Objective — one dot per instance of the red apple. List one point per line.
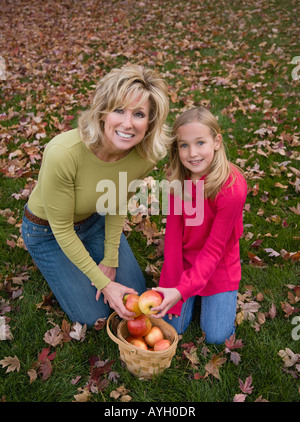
(139, 326)
(153, 336)
(140, 344)
(131, 302)
(131, 338)
(162, 345)
(149, 300)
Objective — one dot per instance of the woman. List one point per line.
(78, 250)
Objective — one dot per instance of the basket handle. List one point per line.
(109, 332)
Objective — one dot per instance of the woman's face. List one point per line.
(126, 127)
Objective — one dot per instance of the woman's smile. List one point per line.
(124, 135)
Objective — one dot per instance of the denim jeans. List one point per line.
(217, 316)
(73, 289)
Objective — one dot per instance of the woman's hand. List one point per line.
(113, 295)
(110, 272)
(171, 297)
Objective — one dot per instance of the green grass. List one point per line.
(236, 59)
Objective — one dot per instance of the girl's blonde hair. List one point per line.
(116, 90)
(220, 168)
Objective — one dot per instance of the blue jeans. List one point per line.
(73, 289)
(217, 316)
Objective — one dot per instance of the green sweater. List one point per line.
(73, 184)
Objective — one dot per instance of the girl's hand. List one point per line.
(170, 316)
(171, 297)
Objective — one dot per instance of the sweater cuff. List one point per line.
(99, 279)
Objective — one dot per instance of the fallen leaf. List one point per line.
(213, 366)
(272, 312)
(54, 336)
(271, 252)
(100, 323)
(32, 375)
(295, 210)
(287, 308)
(78, 331)
(261, 400)
(66, 327)
(45, 369)
(192, 356)
(75, 380)
(231, 343)
(83, 395)
(5, 333)
(261, 318)
(45, 355)
(289, 358)
(250, 308)
(246, 387)
(12, 363)
(239, 398)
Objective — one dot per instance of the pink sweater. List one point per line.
(205, 260)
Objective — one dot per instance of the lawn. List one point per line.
(239, 59)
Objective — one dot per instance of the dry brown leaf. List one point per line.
(12, 363)
(83, 395)
(295, 210)
(32, 375)
(192, 356)
(261, 319)
(54, 336)
(125, 398)
(78, 331)
(289, 358)
(213, 366)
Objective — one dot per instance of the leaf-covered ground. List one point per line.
(239, 59)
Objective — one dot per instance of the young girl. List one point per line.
(204, 259)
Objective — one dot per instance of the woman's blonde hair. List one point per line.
(220, 168)
(116, 90)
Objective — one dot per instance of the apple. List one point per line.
(153, 336)
(139, 343)
(131, 338)
(162, 345)
(131, 302)
(149, 300)
(139, 326)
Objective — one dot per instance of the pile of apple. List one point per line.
(141, 332)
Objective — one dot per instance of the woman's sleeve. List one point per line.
(58, 196)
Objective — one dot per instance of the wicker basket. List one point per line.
(143, 363)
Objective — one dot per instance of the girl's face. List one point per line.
(125, 127)
(197, 148)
